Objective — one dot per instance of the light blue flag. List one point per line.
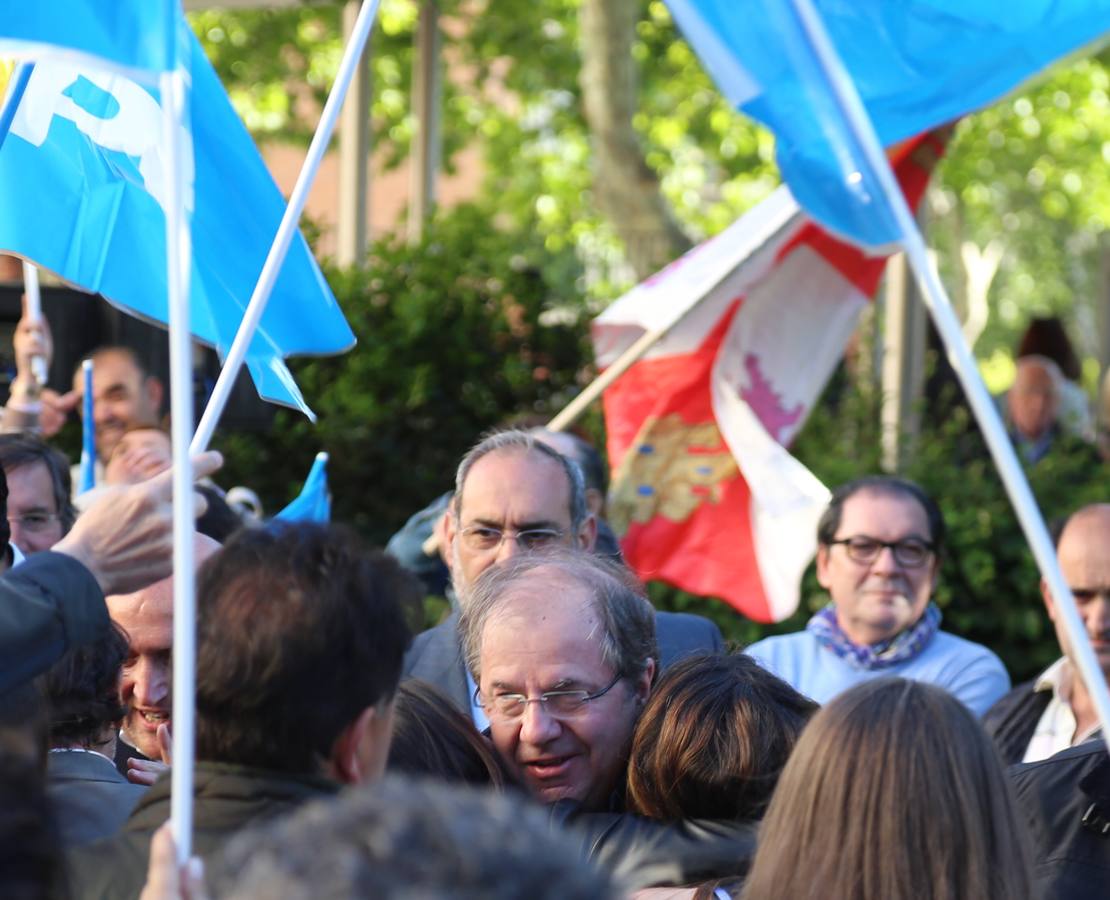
(313, 504)
(134, 35)
(917, 64)
(84, 152)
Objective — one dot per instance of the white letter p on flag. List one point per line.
(130, 123)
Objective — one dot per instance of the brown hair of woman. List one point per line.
(713, 739)
(894, 792)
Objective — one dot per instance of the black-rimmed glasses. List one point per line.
(909, 552)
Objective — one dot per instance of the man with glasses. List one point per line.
(878, 556)
(514, 495)
(40, 512)
(562, 683)
(1054, 711)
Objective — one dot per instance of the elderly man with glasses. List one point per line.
(562, 683)
(878, 556)
(515, 495)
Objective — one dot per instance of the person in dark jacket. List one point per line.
(1054, 711)
(300, 637)
(1065, 801)
(89, 798)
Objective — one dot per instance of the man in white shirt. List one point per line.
(1040, 718)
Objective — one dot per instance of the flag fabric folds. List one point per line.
(705, 496)
(137, 36)
(85, 153)
(917, 64)
(313, 504)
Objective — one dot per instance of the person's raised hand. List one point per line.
(32, 338)
(165, 879)
(55, 410)
(125, 538)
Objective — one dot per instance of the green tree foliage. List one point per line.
(453, 339)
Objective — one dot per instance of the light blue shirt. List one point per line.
(969, 671)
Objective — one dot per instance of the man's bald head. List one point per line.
(1084, 553)
(147, 617)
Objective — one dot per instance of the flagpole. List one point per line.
(940, 307)
(34, 313)
(178, 255)
(352, 57)
(16, 89)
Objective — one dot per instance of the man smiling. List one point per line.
(562, 683)
(147, 617)
(878, 556)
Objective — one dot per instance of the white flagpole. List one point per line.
(178, 256)
(352, 57)
(940, 307)
(34, 313)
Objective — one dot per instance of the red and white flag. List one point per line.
(705, 495)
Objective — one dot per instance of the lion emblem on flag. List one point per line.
(671, 469)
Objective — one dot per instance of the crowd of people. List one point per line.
(553, 736)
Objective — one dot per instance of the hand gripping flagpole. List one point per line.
(178, 254)
(34, 313)
(939, 306)
(352, 56)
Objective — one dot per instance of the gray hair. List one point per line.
(405, 839)
(627, 618)
(524, 442)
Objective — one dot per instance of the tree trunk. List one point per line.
(626, 190)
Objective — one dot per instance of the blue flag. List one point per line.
(313, 504)
(84, 152)
(916, 64)
(135, 35)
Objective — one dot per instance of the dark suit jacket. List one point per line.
(436, 656)
(89, 799)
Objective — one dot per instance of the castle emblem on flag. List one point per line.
(672, 468)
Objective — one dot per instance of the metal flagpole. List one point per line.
(1005, 458)
(348, 67)
(34, 313)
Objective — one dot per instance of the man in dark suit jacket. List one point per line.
(514, 493)
(89, 799)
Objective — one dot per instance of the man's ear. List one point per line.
(360, 752)
(587, 534)
(446, 531)
(1049, 602)
(823, 565)
(154, 392)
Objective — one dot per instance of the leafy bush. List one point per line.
(450, 344)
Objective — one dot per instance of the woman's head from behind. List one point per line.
(894, 791)
(713, 739)
(432, 738)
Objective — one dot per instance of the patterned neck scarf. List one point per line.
(902, 647)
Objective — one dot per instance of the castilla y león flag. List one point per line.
(705, 495)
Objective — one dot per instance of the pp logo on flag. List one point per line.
(113, 112)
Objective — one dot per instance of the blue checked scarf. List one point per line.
(902, 647)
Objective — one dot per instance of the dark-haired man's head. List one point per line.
(562, 647)
(124, 394)
(40, 512)
(879, 544)
(513, 494)
(300, 637)
(82, 693)
(409, 838)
